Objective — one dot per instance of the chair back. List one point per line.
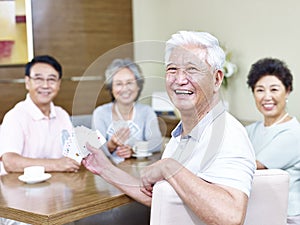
(268, 201)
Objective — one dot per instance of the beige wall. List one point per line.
(249, 29)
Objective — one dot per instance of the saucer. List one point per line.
(33, 180)
(142, 155)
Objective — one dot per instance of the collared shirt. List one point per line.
(217, 150)
(27, 131)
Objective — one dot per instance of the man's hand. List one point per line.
(160, 170)
(97, 161)
(66, 164)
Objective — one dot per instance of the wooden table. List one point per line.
(65, 197)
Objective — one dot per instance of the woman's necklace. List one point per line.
(119, 113)
(281, 119)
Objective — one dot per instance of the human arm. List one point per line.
(118, 139)
(280, 152)
(117, 143)
(25, 143)
(99, 164)
(102, 121)
(214, 204)
(13, 162)
(275, 147)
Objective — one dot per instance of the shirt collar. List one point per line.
(35, 112)
(199, 128)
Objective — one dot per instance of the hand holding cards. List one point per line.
(75, 144)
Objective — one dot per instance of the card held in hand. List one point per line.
(71, 148)
(75, 144)
(85, 135)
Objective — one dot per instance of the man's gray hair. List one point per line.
(215, 55)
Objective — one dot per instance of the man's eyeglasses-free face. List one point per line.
(41, 80)
(189, 69)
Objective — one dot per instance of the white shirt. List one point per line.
(217, 150)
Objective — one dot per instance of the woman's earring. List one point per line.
(286, 100)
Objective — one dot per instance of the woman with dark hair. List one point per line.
(125, 121)
(276, 139)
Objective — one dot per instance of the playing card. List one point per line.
(85, 135)
(75, 144)
(71, 149)
(134, 129)
(117, 125)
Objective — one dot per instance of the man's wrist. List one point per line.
(170, 168)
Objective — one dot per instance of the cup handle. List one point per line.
(134, 149)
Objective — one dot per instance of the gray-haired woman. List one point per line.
(125, 121)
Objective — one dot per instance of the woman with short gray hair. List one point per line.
(124, 121)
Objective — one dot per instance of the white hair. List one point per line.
(215, 55)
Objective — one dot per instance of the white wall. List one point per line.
(249, 29)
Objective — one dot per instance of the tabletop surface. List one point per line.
(65, 197)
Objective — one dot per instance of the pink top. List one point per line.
(28, 132)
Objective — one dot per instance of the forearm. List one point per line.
(127, 183)
(213, 204)
(14, 162)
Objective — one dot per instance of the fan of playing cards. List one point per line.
(74, 144)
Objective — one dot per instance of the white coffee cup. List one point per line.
(141, 148)
(34, 171)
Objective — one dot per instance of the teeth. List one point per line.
(268, 105)
(183, 92)
(45, 93)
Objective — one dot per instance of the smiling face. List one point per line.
(43, 84)
(190, 81)
(270, 97)
(124, 87)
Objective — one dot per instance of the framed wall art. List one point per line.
(16, 39)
